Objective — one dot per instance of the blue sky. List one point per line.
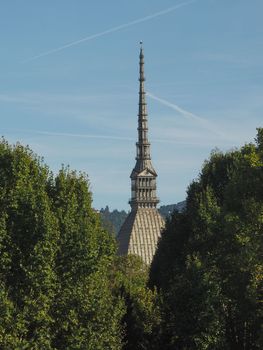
(77, 104)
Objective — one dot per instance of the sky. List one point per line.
(69, 85)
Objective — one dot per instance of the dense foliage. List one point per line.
(141, 320)
(62, 287)
(54, 260)
(208, 266)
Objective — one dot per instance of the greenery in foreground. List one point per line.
(208, 266)
(61, 284)
(63, 287)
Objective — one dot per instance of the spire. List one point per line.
(142, 228)
(143, 175)
(142, 100)
(143, 146)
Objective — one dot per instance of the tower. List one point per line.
(142, 228)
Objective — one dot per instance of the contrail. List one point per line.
(111, 30)
(86, 136)
(204, 122)
(182, 111)
(104, 137)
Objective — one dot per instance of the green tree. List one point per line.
(208, 266)
(28, 248)
(86, 314)
(55, 291)
(142, 317)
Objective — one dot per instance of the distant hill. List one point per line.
(112, 220)
(166, 210)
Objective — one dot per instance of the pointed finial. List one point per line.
(141, 50)
(141, 47)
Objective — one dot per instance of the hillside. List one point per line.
(167, 210)
(112, 220)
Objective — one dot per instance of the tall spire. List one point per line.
(143, 146)
(143, 175)
(142, 228)
(142, 100)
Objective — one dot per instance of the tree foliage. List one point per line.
(141, 319)
(63, 287)
(208, 266)
(54, 260)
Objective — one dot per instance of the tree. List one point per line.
(141, 318)
(208, 266)
(28, 248)
(55, 291)
(86, 314)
